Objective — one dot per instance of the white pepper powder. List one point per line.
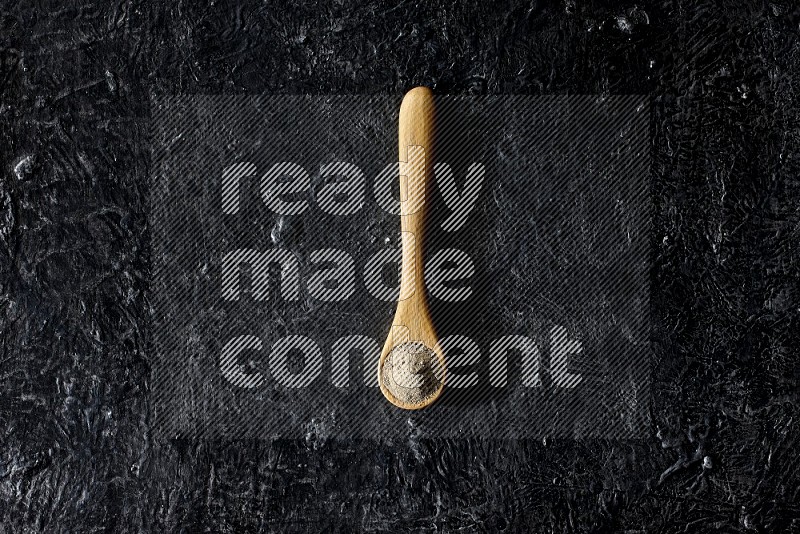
(412, 372)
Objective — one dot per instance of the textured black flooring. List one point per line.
(76, 452)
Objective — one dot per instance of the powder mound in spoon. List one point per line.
(412, 372)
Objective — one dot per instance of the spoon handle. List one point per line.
(416, 170)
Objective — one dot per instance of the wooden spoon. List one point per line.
(420, 378)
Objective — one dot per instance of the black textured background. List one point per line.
(76, 453)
